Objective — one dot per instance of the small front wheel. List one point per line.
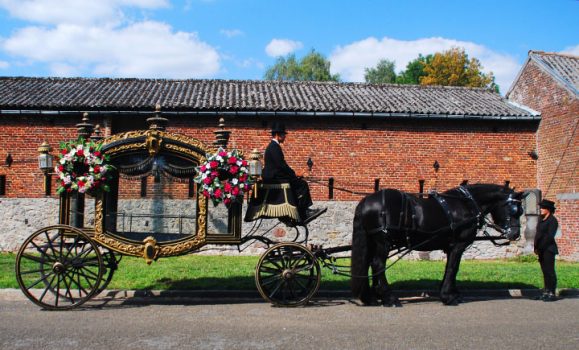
(287, 274)
(59, 267)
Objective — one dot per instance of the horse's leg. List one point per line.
(379, 280)
(448, 292)
(368, 295)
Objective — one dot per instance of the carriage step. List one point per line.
(315, 213)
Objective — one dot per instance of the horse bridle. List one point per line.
(513, 210)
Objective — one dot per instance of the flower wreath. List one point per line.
(82, 167)
(224, 177)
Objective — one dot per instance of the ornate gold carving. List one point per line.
(149, 245)
(151, 249)
(123, 136)
(183, 150)
(153, 142)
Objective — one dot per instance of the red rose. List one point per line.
(243, 178)
(63, 151)
(223, 154)
(97, 154)
(97, 169)
(233, 169)
(207, 180)
(226, 201)
(235, 191)
(217, 193)
(61, 167)
(227, 187)
(203, 168)
(206, 193)
(213, 164)
(80, 153)
(232, 160)
(244, 162)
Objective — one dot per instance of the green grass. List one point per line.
(237, 272)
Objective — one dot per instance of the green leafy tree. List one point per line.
(454, 68)
(414, 70)
(312, 67)
(383, 73)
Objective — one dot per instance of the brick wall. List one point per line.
(557, 145)
(353, 152)
(568, 216)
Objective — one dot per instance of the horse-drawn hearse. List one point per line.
(65, 265)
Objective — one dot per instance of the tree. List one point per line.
(414, 70)
(312, 67)
(383, 73)
(454, 68)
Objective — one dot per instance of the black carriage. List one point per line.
(65, 265)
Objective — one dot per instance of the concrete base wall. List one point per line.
(19, 218)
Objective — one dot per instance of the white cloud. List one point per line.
(282, 47)
(351, 60)
(573, 50)
(101, 42)
(85, 12)
(143, 49)
(230, 33)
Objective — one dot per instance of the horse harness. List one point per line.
(407, 220)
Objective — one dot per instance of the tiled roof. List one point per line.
(563, 67)
(103, 94)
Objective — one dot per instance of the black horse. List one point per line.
(393, 220)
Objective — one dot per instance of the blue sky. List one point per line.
(228, 39)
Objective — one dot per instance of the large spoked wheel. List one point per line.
(287, 274)
(59, 267)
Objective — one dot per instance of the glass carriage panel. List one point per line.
(152, 207)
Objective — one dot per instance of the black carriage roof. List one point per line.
(29, 95)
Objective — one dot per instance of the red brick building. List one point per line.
(359, 135)
(549, 83)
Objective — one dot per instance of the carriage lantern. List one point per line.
(255, 163)
(45, 159)
(45, 163)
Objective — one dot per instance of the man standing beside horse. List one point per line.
(546, 248)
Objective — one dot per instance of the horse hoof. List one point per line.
(392, 304)
(451, 302)
(369, 302)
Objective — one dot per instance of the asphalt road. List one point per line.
(177, 323)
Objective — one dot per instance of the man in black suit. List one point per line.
(276, 170)
(546, 248)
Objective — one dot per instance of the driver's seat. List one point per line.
(272, 201)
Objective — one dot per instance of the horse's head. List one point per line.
(506, 213)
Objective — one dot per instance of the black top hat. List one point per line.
(278, 128)
(547, 204)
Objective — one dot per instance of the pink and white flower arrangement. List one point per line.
(82, 167)
(224, 177)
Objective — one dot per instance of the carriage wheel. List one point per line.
(287, 274)
(59, 267)
(111, 263)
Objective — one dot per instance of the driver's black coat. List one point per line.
(276, 169)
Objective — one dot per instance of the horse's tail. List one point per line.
(360, 261)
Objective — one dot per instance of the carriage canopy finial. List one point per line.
(156, 122)
(221, 135)
(84, 128)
